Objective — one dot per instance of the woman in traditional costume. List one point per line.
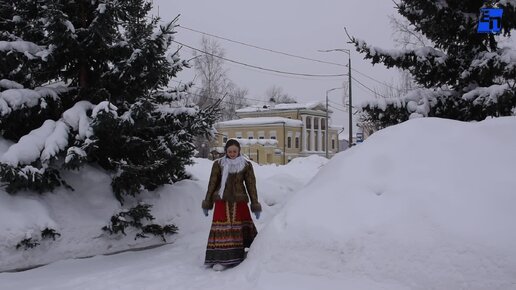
(232, 185)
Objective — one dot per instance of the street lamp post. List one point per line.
(326, 127)
(350, 97)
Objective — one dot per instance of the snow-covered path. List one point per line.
(178, 265)
(174, 266)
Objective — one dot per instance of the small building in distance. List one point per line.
(280, 133)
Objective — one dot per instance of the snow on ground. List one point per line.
(427, 204)
(79, 215)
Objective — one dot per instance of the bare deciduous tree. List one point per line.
(275, 94)
(211, 72)
(406, 36)
(234, 100)
(215, 85)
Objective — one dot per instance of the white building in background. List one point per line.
(280, 133)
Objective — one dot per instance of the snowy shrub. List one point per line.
(27, 243)
(157, 230)
(30, 242)
(135, 217)
(49, 233)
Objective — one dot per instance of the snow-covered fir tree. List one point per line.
(85, 82)
(462, 75)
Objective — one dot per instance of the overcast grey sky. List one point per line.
(299, 27)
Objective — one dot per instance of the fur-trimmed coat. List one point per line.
(234, 190)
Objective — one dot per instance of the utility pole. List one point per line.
(350, 103)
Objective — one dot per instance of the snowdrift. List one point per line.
(427, 204)
(79, 215)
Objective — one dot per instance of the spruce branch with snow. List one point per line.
(30, 242)
(462, 75)
(86, 82)
(49, 233)
(16, 178)
(157, 230)
(27, 243)
(135, 217)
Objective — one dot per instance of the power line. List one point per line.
(258, 67)
(363, 89)
(345, 109)
(285, 76)
(278, 52)
(246, 98)
(236, 104)
(261, 48)
(251, 99)
(371, 78)
(284, 53)
(337, 104)
(213, 98)
(368, 88)
(337, 108)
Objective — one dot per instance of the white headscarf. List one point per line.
(230, 166)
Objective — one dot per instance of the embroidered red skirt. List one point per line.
(232, 230)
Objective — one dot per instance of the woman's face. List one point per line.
(232, 152)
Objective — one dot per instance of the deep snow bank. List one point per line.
(427, 204)
(79, 215)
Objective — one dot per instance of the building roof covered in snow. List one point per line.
(293, 106)
(260, 121)
(265, 142)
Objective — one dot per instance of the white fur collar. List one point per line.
(230, 166)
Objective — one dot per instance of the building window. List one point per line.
(261, 137)
(289, 142)
(250, 137)
(297, 142)
(238, 135)
(273, 137)
(332, 143)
